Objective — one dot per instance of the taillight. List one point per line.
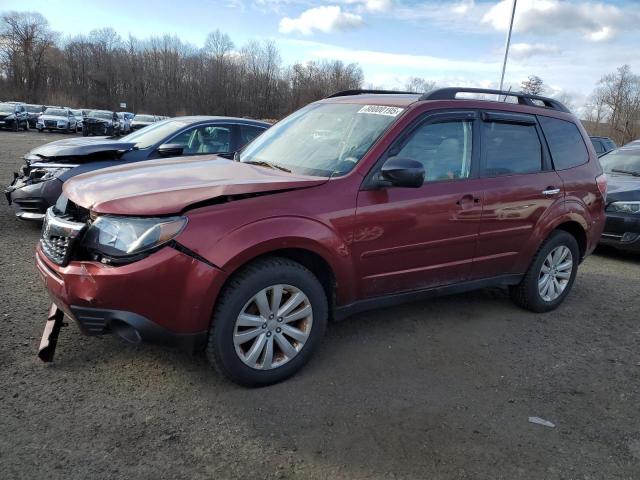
(602, 182)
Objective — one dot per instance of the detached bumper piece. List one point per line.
(50, 335)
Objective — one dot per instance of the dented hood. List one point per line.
(78, 147)
(169, 186)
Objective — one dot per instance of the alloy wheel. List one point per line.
(273, 327)
(555, 273)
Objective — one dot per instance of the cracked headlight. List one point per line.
(44, 174)
(624, 207)
(121, 237)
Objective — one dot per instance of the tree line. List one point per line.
(160, 75)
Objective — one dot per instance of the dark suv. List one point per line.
(363, 200)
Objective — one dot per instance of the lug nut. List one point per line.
(268, 334)
(278, 330)
(280, 319)
(270, 316)
(264, 325)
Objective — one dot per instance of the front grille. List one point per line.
(31, 205)
(59, 235)
(50, 123)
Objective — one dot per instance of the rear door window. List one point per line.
(248, 133)
(565, 142)
(510, 148)
(205, 139)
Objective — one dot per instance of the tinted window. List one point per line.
(510, 149)
(565, 143)
(248, 133)
(205, 139)
(443, 148)
(597, 144)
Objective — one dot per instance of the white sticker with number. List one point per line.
(381, 110)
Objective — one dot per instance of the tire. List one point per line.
(527, 294)
(26, 126)
(237, 297)
(85, 133)
(16, 126)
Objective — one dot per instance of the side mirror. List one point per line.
(170, 150)
(403, 172)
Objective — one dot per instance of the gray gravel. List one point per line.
(438, 389)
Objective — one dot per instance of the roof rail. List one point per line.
(523, 98)
(347, 93)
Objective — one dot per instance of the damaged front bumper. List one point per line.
(166, 298)
(30, 199)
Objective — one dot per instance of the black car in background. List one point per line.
(39, 183)
(140, 121)
(14, 116)
(101, 122)
(33, 112)
(622, 229)
(602, 145)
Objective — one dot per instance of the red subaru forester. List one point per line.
(362, 200)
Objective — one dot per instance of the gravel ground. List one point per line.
(438, 389)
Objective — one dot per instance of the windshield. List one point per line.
(144, 118)
(56, 112)
(324, 139)
(33, 109)
(77, 113)
(97, 114)
(7, 108)
(154, 134)
(621, 159)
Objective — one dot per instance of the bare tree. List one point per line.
(419, 85)
(533, 85)
(162, 75)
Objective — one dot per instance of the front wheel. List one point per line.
(550, 275)
(267, 322)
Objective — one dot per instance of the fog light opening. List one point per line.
(629, 237)
(125, 331)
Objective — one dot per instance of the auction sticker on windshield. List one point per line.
(381, 110)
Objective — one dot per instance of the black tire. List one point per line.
(16, 126)
(239, 290)
(26, 126)
(526, 294)
(85, 133)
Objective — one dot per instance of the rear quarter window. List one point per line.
(565, 142)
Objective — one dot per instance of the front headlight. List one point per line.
(624, 207)
(44, 174)
(121, 237)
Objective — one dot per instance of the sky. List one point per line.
(570, 44)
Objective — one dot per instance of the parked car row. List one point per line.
(17, 115)
(361, 200)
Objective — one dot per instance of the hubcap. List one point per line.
(273, 327)
(555, 273)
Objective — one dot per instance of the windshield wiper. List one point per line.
(627, 172)
(262, 163)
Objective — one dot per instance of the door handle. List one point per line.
(551, 191)
(467, 199)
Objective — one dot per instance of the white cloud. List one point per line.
(463, 7)
(324, 19)
(521, 51)
(595, 21)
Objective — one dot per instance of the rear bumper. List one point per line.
(166, 298)
(31, 200)
(622, 231)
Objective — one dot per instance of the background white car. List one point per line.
(58, 118)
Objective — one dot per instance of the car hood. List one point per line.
(77, 147)
(54, 117)
(622, 188)
(169, 186)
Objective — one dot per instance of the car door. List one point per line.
(417, 238)
(520, 186)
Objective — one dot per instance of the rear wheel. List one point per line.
(550, 275)
(267, 322)
(85, 133)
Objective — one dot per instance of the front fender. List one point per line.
(261, 237)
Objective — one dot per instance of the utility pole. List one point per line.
(506, 47)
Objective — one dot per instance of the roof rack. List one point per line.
(347, 93)
(523, 98)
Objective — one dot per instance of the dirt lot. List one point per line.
(439, 389)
